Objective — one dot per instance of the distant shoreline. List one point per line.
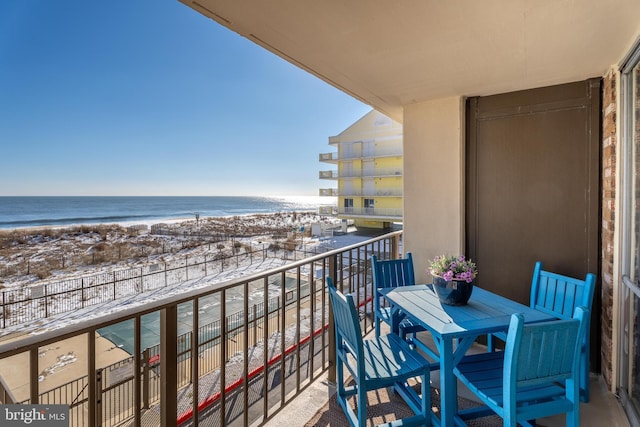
(17, 213)
(147, 222)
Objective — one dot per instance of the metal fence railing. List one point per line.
(46, 299)
(251, 356)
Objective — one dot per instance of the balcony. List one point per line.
(380, 152)
(378, 213)
(383, 172)
(359, 154)
(328, 210)
(328, 175)
(330, 192)
(386, 192)
(274, 353)
(328, 157)
(376, 172)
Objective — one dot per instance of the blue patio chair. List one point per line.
(537, 375)
(558, 296)
(380, 362)
(390, 274)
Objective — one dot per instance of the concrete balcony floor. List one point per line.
(602, 410)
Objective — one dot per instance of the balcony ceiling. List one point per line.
(390, 54)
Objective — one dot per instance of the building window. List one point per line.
(348, 205)
(368, 206)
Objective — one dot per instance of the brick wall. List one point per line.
(609, 146)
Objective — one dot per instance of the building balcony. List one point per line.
(383, 172)
(328, 157)
(357, 154)
(386, 192)
(383, 152)
(271, 364)
(372, 213)
(374, 173)
(328, 174)
(329, 192)
(360, 154)
(435, 120)
(328, 210)
(383, 192)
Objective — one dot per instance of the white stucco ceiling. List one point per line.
(392, 53)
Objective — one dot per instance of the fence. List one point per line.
(102, 250)
(116, 380)
(242, 372)
(50, 298)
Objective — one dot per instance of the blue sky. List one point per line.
(148, 97)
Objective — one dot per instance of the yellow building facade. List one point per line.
(369, 172)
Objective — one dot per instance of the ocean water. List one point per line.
(19, 212)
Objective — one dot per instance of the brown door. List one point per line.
(533, 188)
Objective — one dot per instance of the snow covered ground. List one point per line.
(29, 256)
(243, 266)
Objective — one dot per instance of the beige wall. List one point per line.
(433, 180)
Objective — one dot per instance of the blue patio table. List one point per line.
(454, 329)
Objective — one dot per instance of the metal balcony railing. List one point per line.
(383, 152)
(372, 212)
(377, 172)
(364, 154)
(387, 192)
(328, 210)
(328, 174)
(232, 352)
(328, 157)
(331, 192)
(361, 154)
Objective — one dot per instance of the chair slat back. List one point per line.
(559, 295)
(346, 320)
(543, 353)
(393, 273)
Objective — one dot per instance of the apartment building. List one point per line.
(368, 174)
